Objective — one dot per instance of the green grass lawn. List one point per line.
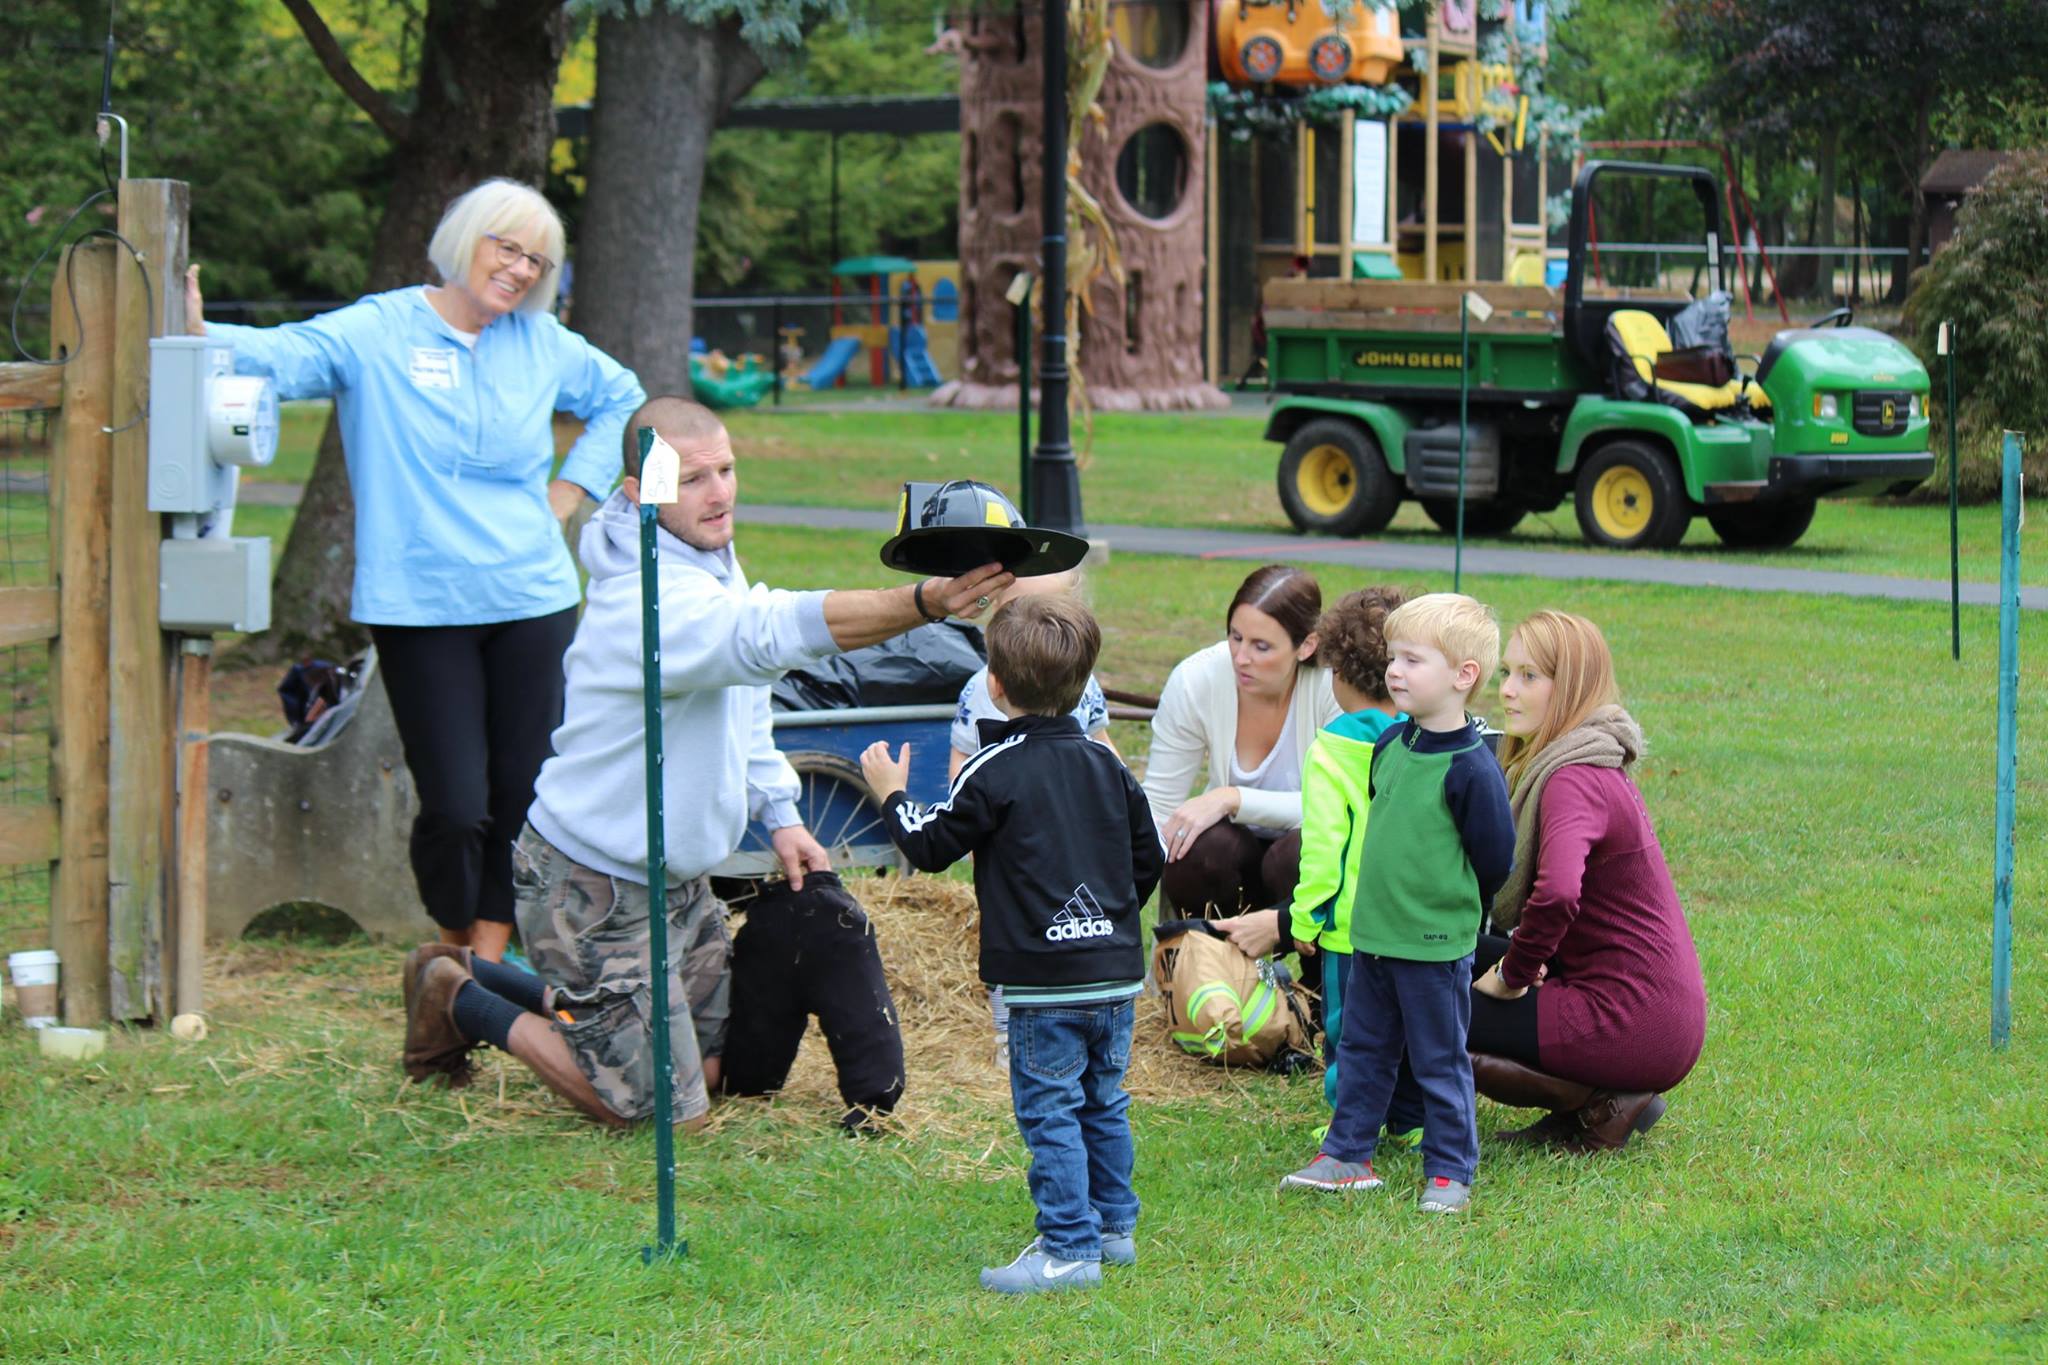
(1158, 469)
(1851, 1173)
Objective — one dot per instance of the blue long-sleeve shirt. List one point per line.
(449, 449)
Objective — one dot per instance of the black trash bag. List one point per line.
(1703, 322)
(929, 664)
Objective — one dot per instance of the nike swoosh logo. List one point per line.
(1063, 1271)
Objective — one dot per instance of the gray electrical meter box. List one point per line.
(205, 422)
(204, 586)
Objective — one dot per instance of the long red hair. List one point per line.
(1573, 654)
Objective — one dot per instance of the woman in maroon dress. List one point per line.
(1598, 1005)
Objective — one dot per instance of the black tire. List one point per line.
(1772, 526)
(1334, 480)
(1494, 518)
(1629, 496)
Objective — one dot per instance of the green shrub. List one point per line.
(1991, 282)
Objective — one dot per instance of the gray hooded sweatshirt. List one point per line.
(722, 642)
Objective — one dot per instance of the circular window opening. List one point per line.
(1152, 170)
(1153, 31)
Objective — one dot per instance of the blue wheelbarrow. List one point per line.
(832, 798)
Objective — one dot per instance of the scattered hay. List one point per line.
(346, 1030)
(928, 935)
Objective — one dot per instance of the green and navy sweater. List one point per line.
(1437, 847)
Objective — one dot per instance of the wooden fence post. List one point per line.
(81, 491)
(153, 217)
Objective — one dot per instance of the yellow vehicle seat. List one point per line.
(1635, 339)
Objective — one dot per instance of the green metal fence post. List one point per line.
(1955, 553)
(2008, 744)
(665, 1243)
(1464, 435)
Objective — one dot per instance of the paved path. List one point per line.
(1425, 557)
(1433, 557)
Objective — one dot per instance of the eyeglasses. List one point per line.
(510, 251)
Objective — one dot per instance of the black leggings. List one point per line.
(1503, 1028)
(476, 707)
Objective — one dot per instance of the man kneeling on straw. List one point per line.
(579, 867)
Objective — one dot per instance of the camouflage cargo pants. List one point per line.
(587, 935)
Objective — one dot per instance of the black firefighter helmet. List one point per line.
(949, 528)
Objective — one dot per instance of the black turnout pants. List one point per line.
(476, 707)
(810, 952)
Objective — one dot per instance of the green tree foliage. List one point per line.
(1989, 283)
(767, 223)
(287, 174)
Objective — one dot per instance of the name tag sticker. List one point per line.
(433, 367)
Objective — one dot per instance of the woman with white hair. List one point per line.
(446, 396)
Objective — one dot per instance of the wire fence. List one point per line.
(26, 440)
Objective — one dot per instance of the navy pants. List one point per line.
(1426, 1008)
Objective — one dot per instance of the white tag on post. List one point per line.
(1478, 307)
(1941, 340)
(1020, 288)
(660, 470)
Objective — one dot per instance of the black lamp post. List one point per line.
(1054, 495)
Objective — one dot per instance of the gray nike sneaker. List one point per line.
(1038, 1271)
(1440, 1194)
(1332, 1176)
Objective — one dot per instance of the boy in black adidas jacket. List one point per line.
(1065, 857)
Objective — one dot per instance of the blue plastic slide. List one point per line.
(833, 363)
(917, 359)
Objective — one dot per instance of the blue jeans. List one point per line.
(1067, 1086)
(1390, 1003)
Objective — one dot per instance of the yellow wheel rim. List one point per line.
(1622, 503)
(1325, 480)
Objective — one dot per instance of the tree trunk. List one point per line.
(484, 107)
(1916, 220)
(663, 85)
(1830, 159)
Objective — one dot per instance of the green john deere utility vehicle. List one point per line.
(1583, 394)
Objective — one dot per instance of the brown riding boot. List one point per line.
(1510, 1082)
(433, 1045)
(1611, 1117)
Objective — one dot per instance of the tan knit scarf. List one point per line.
(1608, 738)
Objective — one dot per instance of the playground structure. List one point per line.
(1424, 194)
(1141, 346)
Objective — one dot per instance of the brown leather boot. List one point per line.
(1509, 1082)
(1611, 1117)
(433, 1045)
(409, 974)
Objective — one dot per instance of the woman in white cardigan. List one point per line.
(1248, 706)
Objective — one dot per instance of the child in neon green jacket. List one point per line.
(1335, 796)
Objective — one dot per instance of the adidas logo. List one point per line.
(1081, 917)
(1094, 928)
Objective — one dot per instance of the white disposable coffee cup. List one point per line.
(34, 974)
